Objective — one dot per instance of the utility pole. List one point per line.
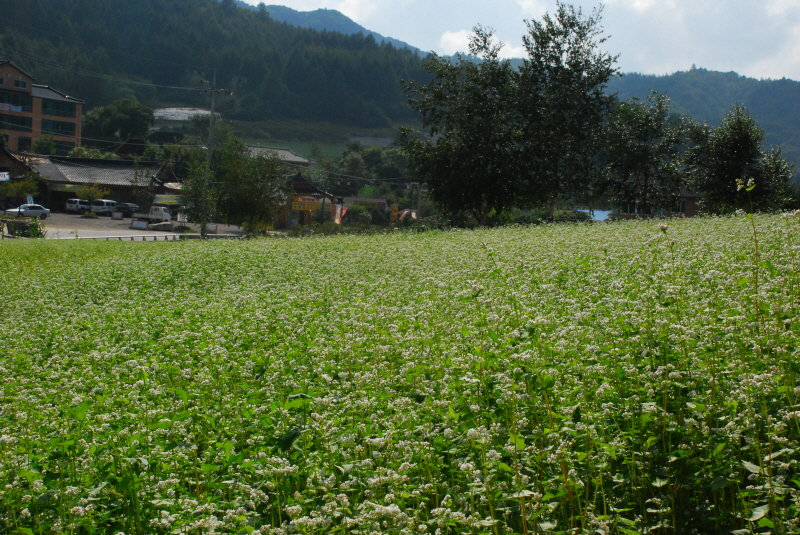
(208, 176)
(213, 90)
(324, 193)
(419, 201)
(211, 119)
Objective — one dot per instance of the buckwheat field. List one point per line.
(611, 378)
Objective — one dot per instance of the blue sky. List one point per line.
(757, 38)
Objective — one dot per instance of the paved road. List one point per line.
(69, 226)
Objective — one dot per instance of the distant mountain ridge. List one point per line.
(706, 96)
(329, 20)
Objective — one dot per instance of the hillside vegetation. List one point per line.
(613, 378)
(89, 48)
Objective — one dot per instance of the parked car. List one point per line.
(103, 206)
(77, 206)
(127, 209)
(29, 210)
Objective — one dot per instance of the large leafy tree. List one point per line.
(643, 155)
(199, 196)
(495, 138)
(252, 190)
(119, 120)
(468, 150)
(722, 157)
(563, 103)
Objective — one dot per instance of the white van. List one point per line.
(77, 206)
(103, 206)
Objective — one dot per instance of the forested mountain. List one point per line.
(103, 50)
(708, 95)
(332, 21)
(328, 20)
(93, 49)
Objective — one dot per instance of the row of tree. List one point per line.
(496, 137)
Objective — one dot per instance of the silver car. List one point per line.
(29, 210)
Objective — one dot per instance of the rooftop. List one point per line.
(9, 62)
(286, 155)
(92, 171)
(45, 91)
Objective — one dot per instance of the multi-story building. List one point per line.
(29, 111)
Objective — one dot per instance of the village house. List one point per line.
(29, 111)
(126, 180)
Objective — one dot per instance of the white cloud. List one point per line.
(358, 10)
(532, 8)
(452, 42)
(782, 7)
(509, 51)
(643, 6)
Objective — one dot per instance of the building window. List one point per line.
(57, 128)
(24, 144)
(2, 81)
(63, 147)
(22, 84)
(12, 122)
(16, 102)
(61, 109)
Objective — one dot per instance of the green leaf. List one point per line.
(294, 404)
(546, 382)
(524, 493)
(504, 467)
(451, 413)
(79, 412)
(518, 441)
(493, 336)
(209, 467)
(777, 454)
(766, 264)
(754, 468)
(419, 398)
(758, 513)
(766, 523)
(287, 439)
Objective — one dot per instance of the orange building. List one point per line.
(29, 111)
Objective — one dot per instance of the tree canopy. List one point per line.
(496, 138)
(119, 120)
(642, 164)
(469, 153)
(720, 158)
